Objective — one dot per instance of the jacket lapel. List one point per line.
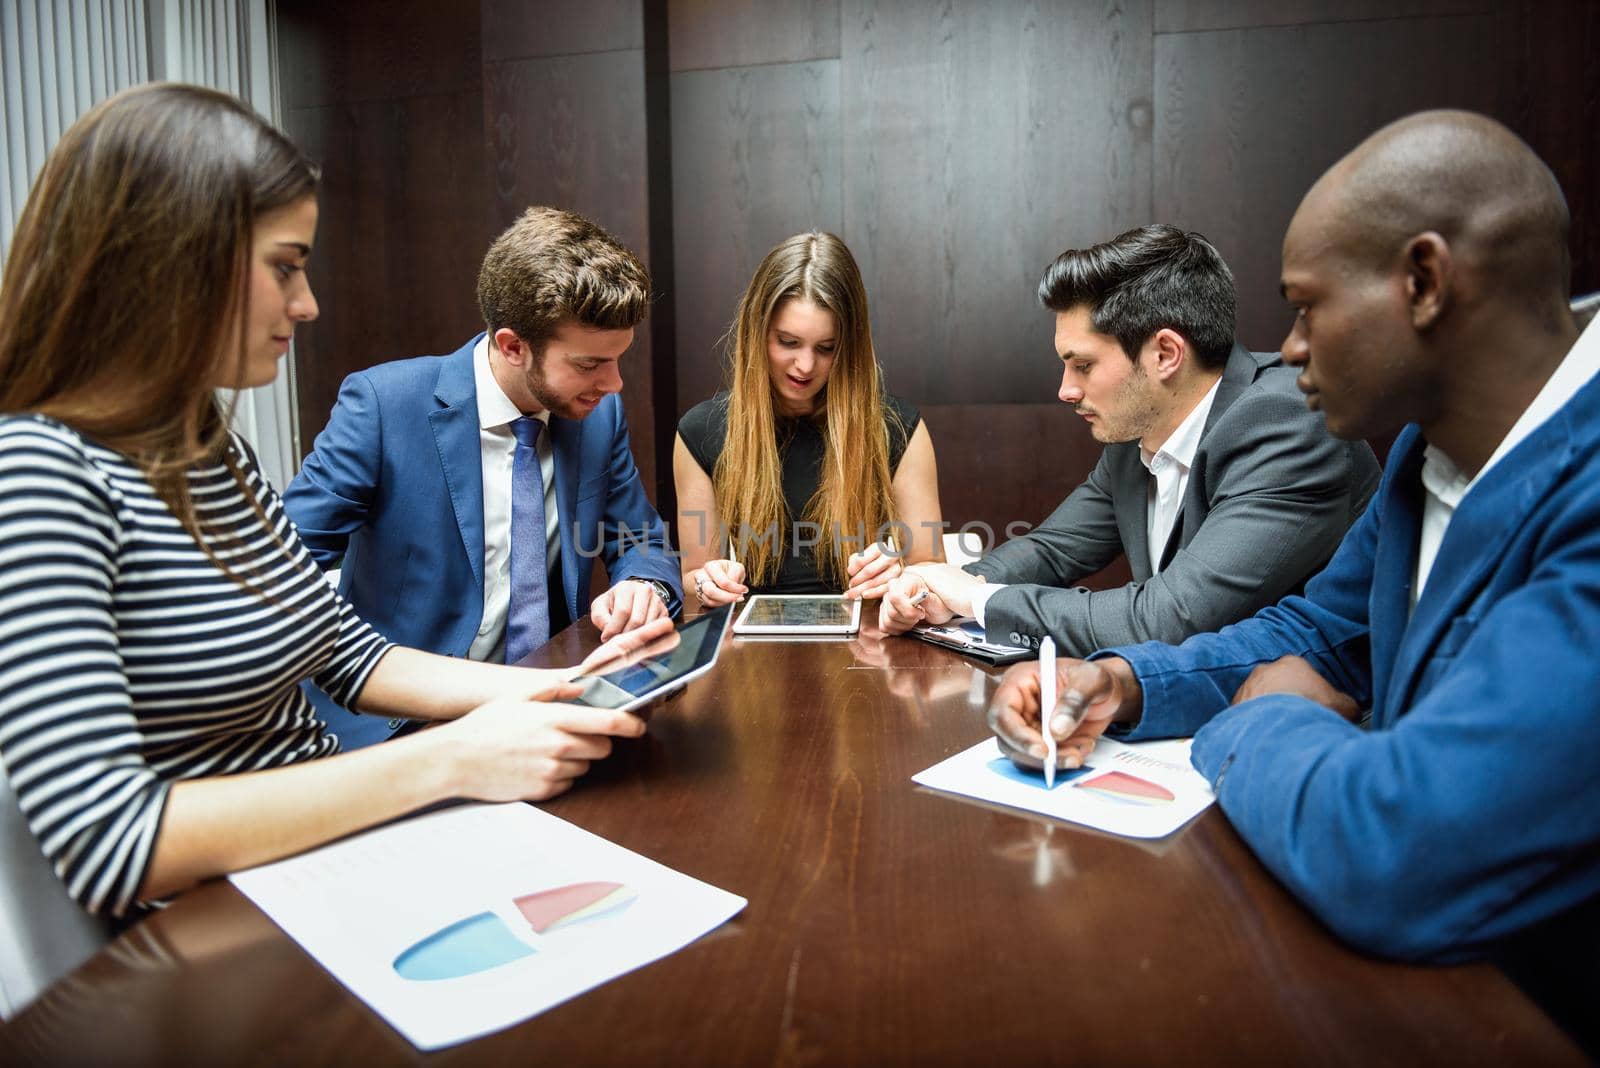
(1238, 374)
(1130, 500)
(1488, 517)
(1174, 540)
(456, 437)
(1394, 565)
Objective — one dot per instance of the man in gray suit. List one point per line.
(1223, 490)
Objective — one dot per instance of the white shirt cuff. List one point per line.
(980, 597)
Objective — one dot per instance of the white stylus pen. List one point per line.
(1047, 707)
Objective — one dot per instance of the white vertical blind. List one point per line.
(228, 45)
(57, 59)
(60, 57)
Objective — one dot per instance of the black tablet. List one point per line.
(658, 669)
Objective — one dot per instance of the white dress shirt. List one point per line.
(1446, 485)
(498, 445)
(1170, 465)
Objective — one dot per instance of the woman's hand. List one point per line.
(511, 750)
(911, 599)
(653, 638)
(871, 571)
(719, 582)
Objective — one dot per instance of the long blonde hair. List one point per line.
(853, 500)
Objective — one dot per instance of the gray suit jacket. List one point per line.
(1269, 498)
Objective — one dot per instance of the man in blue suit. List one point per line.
(466, 496)
(1411, 745)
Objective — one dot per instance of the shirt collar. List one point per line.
(494, 407)
(1184, 442)
(1442, 478)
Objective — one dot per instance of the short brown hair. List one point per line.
(553, 266)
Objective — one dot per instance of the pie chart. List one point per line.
(484, 941)
(1128, 789)
(1116, 786)
(1005, 769)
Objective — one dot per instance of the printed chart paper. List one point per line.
(466, 921)
(1142, 790)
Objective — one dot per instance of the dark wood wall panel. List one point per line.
(1550, 48)
(399, 237)
(569, 131)
(1035, 454)
(956, 147)
(518, 29)
(1011, 463)
(347, 52)
(1246, 120)
(1186, 16)
(388, 99)
(979, 141)
(755, 158)
(739, 33)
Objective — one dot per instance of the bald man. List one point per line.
(1413, 746)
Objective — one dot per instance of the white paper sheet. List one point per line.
(359, 905)
(1142, 790)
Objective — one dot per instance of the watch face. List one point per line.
(661, 589)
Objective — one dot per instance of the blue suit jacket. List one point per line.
(1466, 820)
(393, 492)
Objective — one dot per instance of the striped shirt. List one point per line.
(129, 660)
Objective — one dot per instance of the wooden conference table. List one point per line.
(887, 924)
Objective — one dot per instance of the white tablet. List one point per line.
(658, 669)
(798, 614)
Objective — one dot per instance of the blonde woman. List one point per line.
(804, 476)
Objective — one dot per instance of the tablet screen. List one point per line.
(638, 676)
(798, 612)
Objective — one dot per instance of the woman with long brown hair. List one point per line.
(805, 476)
(157, 610)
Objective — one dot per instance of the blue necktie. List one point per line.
(528, 621)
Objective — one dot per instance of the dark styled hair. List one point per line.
(552, 266)
(1153, 278)
(125, 297)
